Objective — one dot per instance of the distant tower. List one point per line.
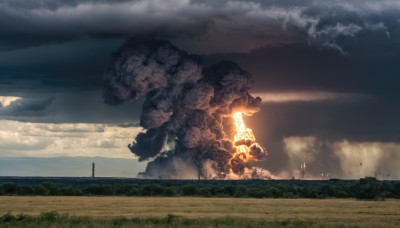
(303, 170)
(254, 174)
(200, 173)
(93, 169)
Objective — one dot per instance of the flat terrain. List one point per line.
(325, 212)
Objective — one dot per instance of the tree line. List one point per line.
(365, 188)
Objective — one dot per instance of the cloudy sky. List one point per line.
(328, 73)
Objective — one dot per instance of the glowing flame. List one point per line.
(246, 148)
(244, 136)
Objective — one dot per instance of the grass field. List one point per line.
(211, 212)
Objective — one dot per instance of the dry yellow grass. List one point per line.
(324, 211)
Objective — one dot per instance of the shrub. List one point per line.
(123, 189)
(189, 190)
(241, 191)
(152, 190)
(7, 218)
(205, 192)
(396, 190)
(99, 190)
(52, 188)
(168, 191)
(40, 190)
(26, 190)
(10, 189)
(231, 190)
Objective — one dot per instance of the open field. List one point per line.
(309, 212)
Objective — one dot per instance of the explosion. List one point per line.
(190, 116)
(246, 148)
(244, 136)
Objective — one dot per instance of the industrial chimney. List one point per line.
(93, 167)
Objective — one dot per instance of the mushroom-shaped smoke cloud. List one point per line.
(187, 107)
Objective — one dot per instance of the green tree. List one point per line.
(26, 190)
(369, 188)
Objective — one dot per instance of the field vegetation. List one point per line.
(108, 202)
(61, 211)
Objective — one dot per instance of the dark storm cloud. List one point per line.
(76, 64)
(25, 107)
(63, 46)
(66, 44)
(370, 68)
(204, 26)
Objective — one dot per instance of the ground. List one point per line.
(310, 212)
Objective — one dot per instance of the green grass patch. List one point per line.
(54, 219)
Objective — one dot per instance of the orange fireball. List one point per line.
(245, 142)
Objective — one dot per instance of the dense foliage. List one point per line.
(365, 188)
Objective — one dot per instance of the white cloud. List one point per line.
(51, 140)
(18, 141)
(362, 7)
(7, 100)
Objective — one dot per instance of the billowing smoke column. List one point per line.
(187, 112)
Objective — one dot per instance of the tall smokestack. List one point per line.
(187, 110)
(303, 170)
(93, 169)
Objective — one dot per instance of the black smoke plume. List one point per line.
(187, 109)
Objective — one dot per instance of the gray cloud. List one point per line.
(26, 107)
(233, 26)
(349, 159)
(68, 105)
